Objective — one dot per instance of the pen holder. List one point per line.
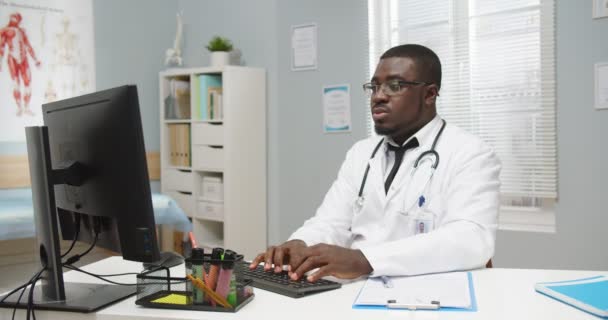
(157, 289)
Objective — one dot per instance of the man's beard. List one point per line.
(384, 131)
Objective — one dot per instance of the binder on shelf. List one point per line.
(173, 152)
(184, 144)
(196, 97)
(179, 144)
(188, 146)
(207, 81)
(181, 243)
(587, 294)
(178, 242)
(452, 291)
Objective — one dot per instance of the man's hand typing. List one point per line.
(331, 260)
(287, 253)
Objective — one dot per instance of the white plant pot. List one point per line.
(220, 58)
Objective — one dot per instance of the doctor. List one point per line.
(423, 198)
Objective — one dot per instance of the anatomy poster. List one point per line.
(46, 54)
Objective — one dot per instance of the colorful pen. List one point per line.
(211, 280)
(225, 276)
(197, 272)
(232, 295)
(210, 293)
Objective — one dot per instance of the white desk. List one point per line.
(500, 293)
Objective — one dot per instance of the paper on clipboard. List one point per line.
(450, 289)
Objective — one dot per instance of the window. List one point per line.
(498, 61)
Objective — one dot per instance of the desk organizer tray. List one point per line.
(157, 289)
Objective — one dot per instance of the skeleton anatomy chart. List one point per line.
(46, 54)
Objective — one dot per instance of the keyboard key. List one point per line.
(281, 283)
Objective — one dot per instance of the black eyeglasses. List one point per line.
(390, 88)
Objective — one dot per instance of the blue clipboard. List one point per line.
(587, 294)
(473, 307)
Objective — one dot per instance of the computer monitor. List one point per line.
(89, 177)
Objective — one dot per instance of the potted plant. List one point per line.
(219, 48)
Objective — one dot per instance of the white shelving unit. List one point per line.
(232, 149)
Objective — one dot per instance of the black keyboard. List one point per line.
(281, 283)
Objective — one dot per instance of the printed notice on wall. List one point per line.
(304, 47)
(336, 108)
(601, 85)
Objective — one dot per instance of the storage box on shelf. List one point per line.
(213, 161)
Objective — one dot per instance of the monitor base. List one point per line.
(80, 297)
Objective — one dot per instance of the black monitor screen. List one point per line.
(89, 176)
(103, 132)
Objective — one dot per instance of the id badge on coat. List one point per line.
(424, 221)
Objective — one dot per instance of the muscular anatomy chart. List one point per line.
(46, 54)
(14, 38)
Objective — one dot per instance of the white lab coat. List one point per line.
(462, 199)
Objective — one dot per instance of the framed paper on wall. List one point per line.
(48, 55)
(304, 47)
(336, 108)
(600, 8)
(601, 85)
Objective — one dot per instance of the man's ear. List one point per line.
(431, 93)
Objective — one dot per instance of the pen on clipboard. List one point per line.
(386, 282)
(392, 304)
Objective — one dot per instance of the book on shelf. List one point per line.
(177, 103)
(214, 103)
(206, 81)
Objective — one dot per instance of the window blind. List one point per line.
(498, 60)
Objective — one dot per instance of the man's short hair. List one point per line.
(427, 62)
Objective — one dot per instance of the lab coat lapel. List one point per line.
(377, 177)
(401, 181)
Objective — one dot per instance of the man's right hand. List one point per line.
(288, 253)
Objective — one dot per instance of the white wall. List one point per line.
(308, 158)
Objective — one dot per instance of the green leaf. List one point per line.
(218, 43)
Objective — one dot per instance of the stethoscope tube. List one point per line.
(432, 152)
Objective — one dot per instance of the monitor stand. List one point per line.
(80, 297)
(53, 293)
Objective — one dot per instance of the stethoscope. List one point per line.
(431, 153)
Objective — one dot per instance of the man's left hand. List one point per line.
(332, 261)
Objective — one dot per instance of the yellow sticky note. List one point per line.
(172, 298)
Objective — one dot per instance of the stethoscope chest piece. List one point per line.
(359, 203)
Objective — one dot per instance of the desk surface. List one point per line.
(501, 294)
